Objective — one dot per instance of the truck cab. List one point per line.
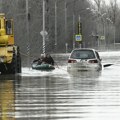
(10, 59)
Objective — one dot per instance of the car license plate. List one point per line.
(82, 61)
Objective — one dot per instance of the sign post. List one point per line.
(78, 38)
(44, 34)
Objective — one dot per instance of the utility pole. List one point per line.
(65, 20)
(73, 30)
(114, 42)
(74, 25)
(104, 33)
(79, 30)
(114, 35)
(1, 6)
(27, 27)
(56, 25)
(43, 26)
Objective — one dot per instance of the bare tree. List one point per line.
(114, 10)
(16, 9)
(98, 4)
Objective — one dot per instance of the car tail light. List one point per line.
(93, 61)
(72, 61)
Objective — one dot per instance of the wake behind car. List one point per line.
(84, 60)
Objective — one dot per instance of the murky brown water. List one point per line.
(59, 95)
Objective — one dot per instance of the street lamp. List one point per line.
(114, 30)
(65, 20)
(104, 30)
(56, 41)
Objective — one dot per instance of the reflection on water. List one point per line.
(55, 95)
(85, 74)
(7, 98)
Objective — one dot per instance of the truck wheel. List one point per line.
(3, 68)
(13, 65)
(18, 61)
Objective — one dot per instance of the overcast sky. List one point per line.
(108, 1)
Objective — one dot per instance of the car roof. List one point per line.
(84, 49)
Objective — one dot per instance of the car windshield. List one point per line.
(83, 54)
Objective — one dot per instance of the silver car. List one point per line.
(84, 60)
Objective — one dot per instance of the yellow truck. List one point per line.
(10, 59)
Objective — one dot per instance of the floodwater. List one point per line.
(59, 95)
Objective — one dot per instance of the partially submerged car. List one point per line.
(84, 60)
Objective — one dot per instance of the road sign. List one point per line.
(78, 38)
(44, 33)
(102, 38)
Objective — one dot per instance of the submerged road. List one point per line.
(59, 95)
